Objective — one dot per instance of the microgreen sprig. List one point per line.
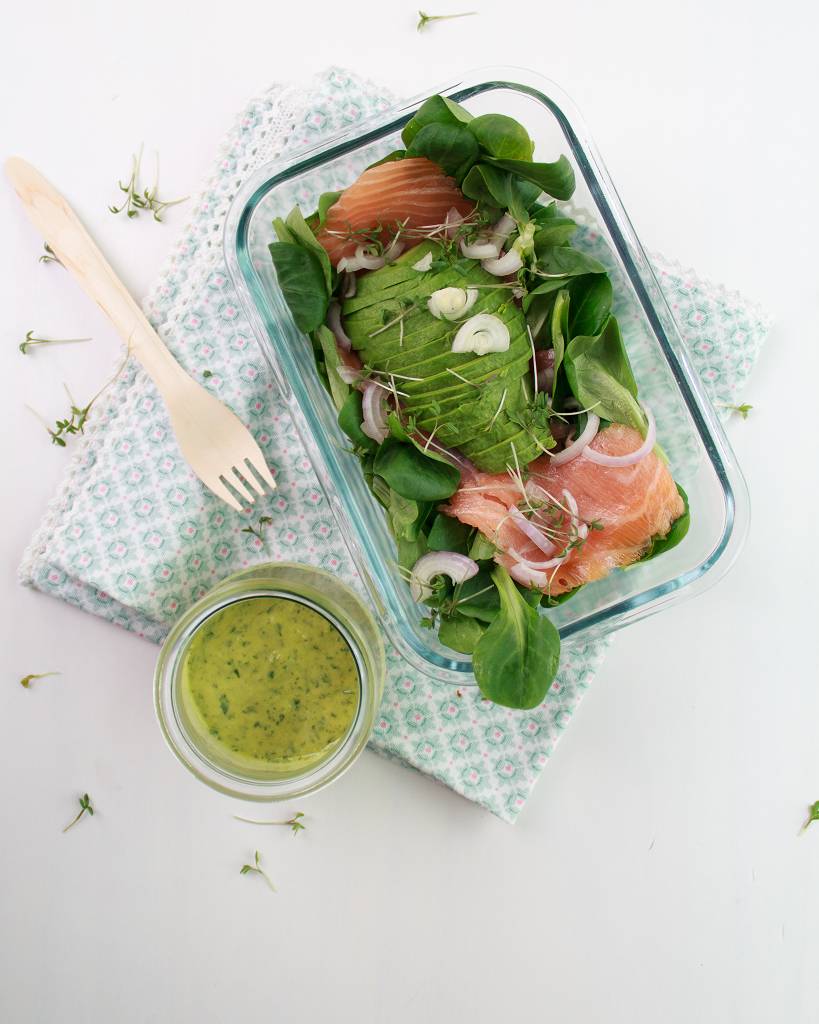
(26, 681)
(30, 341)
(49, 256)
(294, 823)
(257, 530)
(813, 815)
(75, 423)
(85, 805)
(426, 19)
(137, 198)
(743, 409)
(247, 869)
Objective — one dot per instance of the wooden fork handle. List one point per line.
(62, 229)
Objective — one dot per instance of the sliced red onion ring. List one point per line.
(617, 461)
(531, 530)
(335, 325)
(528, 563)
(366, 260)
(440, 563)
(528, 577)
(452, 222)
(545, 368)
(509, 263)
(374, 409)
(579, 446)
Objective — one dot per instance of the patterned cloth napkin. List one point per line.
(134, 537)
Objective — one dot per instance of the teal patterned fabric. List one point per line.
(133, 536)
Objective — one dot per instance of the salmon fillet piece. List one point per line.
(413, 189)
(632, 504)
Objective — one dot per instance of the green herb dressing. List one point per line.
(272, 681)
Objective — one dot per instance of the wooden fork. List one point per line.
(214, 442)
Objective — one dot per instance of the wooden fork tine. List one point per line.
(221, 491)
(238, 484)
(250, 478)
(259, 466)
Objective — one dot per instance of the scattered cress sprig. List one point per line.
(138, 199)
(257, 869)
(85, 805)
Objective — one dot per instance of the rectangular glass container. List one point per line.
(688, 429)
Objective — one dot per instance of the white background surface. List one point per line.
(656, 874)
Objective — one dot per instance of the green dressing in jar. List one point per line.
(272, 682)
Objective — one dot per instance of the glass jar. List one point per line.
(212, 762)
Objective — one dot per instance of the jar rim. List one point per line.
(328, 596)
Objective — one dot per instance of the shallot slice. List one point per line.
(374, 410)
(336, 326)
(458, 567)
(618, 461)
(580, 446)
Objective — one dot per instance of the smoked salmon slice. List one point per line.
(628, 505)
(414, 190)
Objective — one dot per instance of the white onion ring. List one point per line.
(373, 407)
(349, 265)
(424, 264)
(579, 446)
(503, 228)
(367, 261)
(509, 263)
(459, 568)
(393, 250)
(532, 532)
(349, 285)
(452, 222)
(580, 528)
(348, 374)
(618, 461)
(482, 248)
(335, 325)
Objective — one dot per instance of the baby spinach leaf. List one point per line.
(338, 389)
(403, 514)
(435, 110)
(451, 146)
(557, 231)
(591, 305)
(303, 284)
(413, 475)
(600, 377)
(350, 419)
(564, 261)
(302, 235)
(448, 534)
(325, 201)
(679, 528)
(516, 659)
(409, 551)
(490, 186)
(560, 330)
(397, 428)
(501, 136)
(478, 596)
(608, 350)
(556, 179)
(460, 633)
(481, 549)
